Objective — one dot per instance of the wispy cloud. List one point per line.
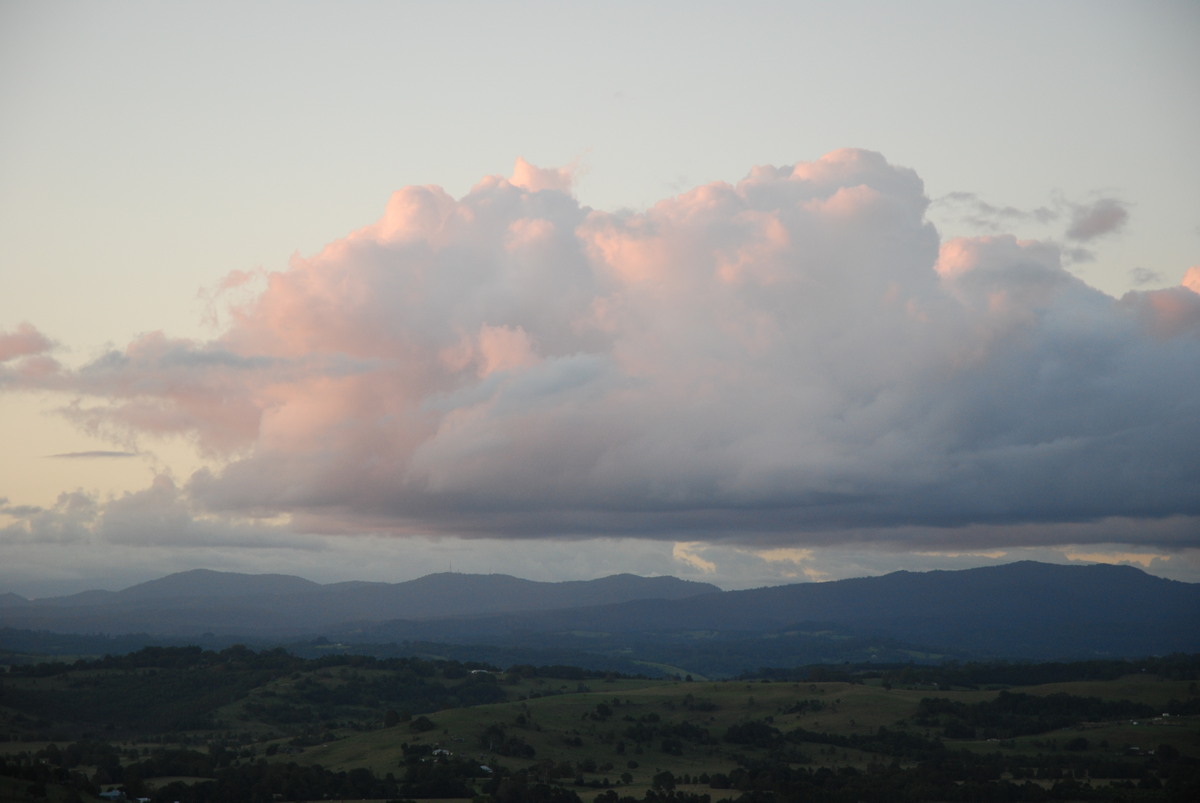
(686, 554)
(93, 454)
(978, 213)
(1063, 219)
(1103, 216)
(1145, 276)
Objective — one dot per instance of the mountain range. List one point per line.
(275, 605)
(1017, 611)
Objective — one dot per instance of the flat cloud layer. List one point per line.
(793, 359)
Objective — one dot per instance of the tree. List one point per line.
(663, 780)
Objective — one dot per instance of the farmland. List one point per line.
(186, 724)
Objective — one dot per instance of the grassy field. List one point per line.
(562, 730)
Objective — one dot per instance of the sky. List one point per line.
(749, 293)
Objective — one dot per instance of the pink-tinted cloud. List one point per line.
(1191, 279)
(25, 341)
(24, 359)
(534, 179)
(786, 358)
(1168, 313)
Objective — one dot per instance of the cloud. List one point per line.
(93, 454)
(1144, 276)
(801, 562)
(1085, 222)
(1170, 312)
(1191, 279)
(142, 535)
(1142, 559)
(795, 359)
(983, 216)
(67, 522)
(25, 341)
(1104, 216)
(159, 516)
(686, 554)
(24, 358)
(534, 179)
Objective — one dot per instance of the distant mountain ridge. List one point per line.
(1018, 611)
(207, 582)
(203, 600)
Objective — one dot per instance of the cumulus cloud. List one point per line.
(67, 521)
(795, 358)
(158, 516)
(1191, 279)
